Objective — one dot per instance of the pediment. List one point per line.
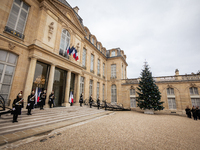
(69, 13)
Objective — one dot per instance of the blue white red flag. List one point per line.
(71, 99)
(76, 57)
(68, 50)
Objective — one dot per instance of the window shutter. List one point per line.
(13, 16)
(21, 21)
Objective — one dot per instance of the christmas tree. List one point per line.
(148, 93)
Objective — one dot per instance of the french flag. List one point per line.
(68, 50)
(71, 99)
(71, 50)
(76, 57)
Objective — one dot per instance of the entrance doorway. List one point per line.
(59, 86)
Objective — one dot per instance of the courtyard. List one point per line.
(125, 130)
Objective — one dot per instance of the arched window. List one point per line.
(64, 43)
(171, 98)
(194, 95)
(113, 94)
(7, 69)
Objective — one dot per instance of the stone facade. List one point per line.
(40, 42)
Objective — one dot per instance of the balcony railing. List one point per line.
(13, 32)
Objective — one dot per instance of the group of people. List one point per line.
(195, 112)
(18, 103)
(91, 101)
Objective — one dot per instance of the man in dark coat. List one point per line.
(91, 101)
(198, 112)
(194, 113)
(31, 102)
(105, 104)
(188, 112)
(42, 99)
(81, 100)
(51, 99)
(98, 102)
(17, 106)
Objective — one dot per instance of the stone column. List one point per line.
(29, 79)
(78, 88)
(67, 89)
(50, 84)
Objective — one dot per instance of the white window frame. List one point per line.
(82, 80)
(194, 91)
(98, 67)
(66, 43)
(113, 53)
(195, 101)
(90, 87)
(113, 71)
(170, 91)
(132, 102)
(84, 57)
(18, 16)
(171, 103)
(113, 93)
(98, 87)
(103, 69)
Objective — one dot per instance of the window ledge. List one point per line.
(13, 33)
(92, 71)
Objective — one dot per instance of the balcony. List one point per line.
(13, 32)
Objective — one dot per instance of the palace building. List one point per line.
(34, 38)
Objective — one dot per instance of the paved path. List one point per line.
(125, 130)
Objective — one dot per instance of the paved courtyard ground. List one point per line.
(126, 130)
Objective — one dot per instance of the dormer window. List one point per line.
(92, 40)
(98, 47)
(112, 53)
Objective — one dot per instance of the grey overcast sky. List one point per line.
(164, 32)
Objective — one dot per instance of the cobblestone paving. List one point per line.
(126, 130)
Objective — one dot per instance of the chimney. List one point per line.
(177, 72)
(76, 9)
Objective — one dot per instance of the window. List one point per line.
(98, 46)
(122, 72)
(103, 91)
(103, 69)
(64, 43)
(113, 53)
(113, 71)
(172, 103)
(97, 89)
(133, 102)
(98, 67)
(113, 94)
(7, 69)
(17, 18)
(194, 91)
(84, 58)
(92, 63)
(82, 85)
(132, 91)
(195, 102)
(90, 88)
(170, 91)
(92, 40)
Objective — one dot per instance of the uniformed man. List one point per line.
(17, 106)
(105, 104)
(81, 100)
(51, 99)
(98, 102)
(91, 101)
(31, 102)
(42, 99)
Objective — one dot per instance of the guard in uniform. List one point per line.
(105, 105)
(17, 106)
(81, 100)
(42, 99)
(194, 112)
(51, 99)
(98, 102)
(31, 102)
(91, 101)
(188, 112)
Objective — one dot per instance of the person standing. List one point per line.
(188, 112)
(91, 101)
(198, 112)
(17, 106)
(98, 102)
(51, 99)
(194, 113)
(105, 104)
(81, 100)
(31, 102)
(42, 99)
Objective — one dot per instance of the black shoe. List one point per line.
(30, 114)
(16, 121)
(13, 121)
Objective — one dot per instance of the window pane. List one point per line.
(18, 2)
(9, 70)
(7, 79)
(25, 6)
(196, 91)
(1, 71)
(12, 58)
(5, 89)
(21, 22)
(3, 55)
(13, 16)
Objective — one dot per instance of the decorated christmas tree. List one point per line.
(148, 93)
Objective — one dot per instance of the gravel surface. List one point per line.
(126, 130)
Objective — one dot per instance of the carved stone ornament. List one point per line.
(77, 47)
(169, 86)
(11, 46)
(193, 85)
(132, 87)
(51, 29)
(84, 46)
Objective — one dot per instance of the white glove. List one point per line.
(28, 104)
(13, 108)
